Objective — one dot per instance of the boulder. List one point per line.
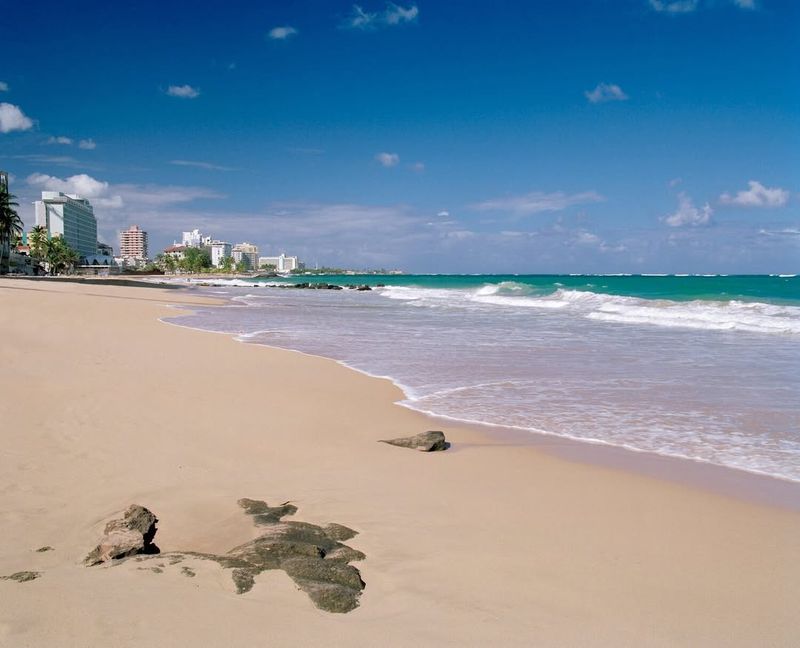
(126, 536)
(430, 441)
(23, 576)
(364, 287)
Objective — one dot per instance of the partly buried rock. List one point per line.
(430, 441)
(127, 536)
(23, 576)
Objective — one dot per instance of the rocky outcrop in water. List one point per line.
(126, 536)
(430, 441)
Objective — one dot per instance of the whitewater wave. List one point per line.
(732, 315)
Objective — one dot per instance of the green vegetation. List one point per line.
(60, 257)
(195, 259)
(10, 228)
(38, 242)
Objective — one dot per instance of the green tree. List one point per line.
(38, 241)
(242, 266)
(10, 228)
(60, 256)
(227, 264)
(195, 259)
(166, 262)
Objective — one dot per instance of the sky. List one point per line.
(538, 136)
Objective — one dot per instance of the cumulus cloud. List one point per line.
(674, 6)
(388, 159)
(3, 86)
(392, 15)
(59, 140)
(443, 214)
(757, 196)
(282, 33)
(688, 214)
(538, 201)
(419, 167)
(13, 119)
(87, 144)
(605, 92)
(183, 91)
(745, 4)
(82, 184)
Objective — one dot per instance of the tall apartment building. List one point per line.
(220, 250)
(195, 239)
(70, 216)
(248, 253)
(133, 244)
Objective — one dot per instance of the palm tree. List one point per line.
(60, 256)
(38, 241)
(10, 228)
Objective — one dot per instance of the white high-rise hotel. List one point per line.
(70, 216)
(133, 244)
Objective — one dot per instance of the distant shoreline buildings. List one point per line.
(70, 216)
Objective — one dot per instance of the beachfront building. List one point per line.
(176, 251)
(281, 263)
(220, 250)
(246, 252)
(195, 239)
(133, 245)
(70, 216)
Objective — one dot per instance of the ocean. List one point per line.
(705, 368)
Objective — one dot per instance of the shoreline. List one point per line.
(485, 544)
(733, 481)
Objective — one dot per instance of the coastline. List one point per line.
(508, 543)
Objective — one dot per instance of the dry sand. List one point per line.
(489, 543)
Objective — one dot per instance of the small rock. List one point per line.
(430, 441)
(364, 287)
(23, 576)
(126, 536)
(43, 549)
(188, 571)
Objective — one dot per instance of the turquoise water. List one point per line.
(702, 368)
(770, 288)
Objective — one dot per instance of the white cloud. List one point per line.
(688, 214)
(745, 4)
(3, 86)
(419, 167)
(538, 201)
(674, 6)
(392, 15)
(183, 91)
(59, 140)
(605, 92)
(12, 119)
(675, 182)
(83, 185)
(757, 196)
(282, 33)
(87, 144)
(395, 15)
(201, 165)
(388, 159)
(443, 214)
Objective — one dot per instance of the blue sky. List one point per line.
(550, 136)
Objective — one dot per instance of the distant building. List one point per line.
(3, 181)
(104, 250)
(70, 216)
(176, 251)
(282, 263)
(195, 239)
(220, 250)
(133, 244)
(248, 253)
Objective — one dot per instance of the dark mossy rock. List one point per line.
(430, 441)
(363, 288)
(23, 576)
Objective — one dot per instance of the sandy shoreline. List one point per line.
(491, 543)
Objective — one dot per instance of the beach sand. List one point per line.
(490, 543)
